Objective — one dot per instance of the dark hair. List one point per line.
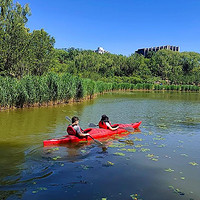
(74, 119)
(104, 118)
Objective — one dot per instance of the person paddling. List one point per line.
(75, 129)
(105, 123)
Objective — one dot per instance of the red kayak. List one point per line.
(94, 132)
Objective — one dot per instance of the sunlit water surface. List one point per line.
(162, 164)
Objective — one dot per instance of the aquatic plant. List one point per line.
(119, 154)
(52, 87)
(169, 170)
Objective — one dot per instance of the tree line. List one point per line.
(25, 53)
(164, 66)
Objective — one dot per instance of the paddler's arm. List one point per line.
(110, 127)
(83, 134)
(80, 133)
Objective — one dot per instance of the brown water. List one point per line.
(162, 164)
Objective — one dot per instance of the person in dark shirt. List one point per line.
(77, 128)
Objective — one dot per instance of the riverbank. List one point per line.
(52, 89)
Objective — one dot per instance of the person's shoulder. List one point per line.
(107, 123)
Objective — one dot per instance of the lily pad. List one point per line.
(138, 139)
(169, 170)
(57, 157)
(161, 146)
(108, 164)
(171, 187)
(118, 137)
(161, 125)
(119, 154)
(144, 150)
(55, 149)
(139, 146)
(85, 167)
(39, 189)
(150, 155)
(83, 151)
(129, 142)
(122, 149)
(117, 145)
(158, 138)
(135, 197)
(183, 154)
(193, 163)
(131, 150)
(178, 191)
(154, 159)
(42, 188)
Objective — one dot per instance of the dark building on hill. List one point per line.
(145, 51)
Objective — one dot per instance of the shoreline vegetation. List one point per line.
(53, 89)
(34, 73)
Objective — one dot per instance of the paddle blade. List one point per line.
(92, 125)
(67, 118)
(98, 142)
(130, 129)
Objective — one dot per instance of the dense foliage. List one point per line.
(53, 87)
(164, 66)
(22, 52)
(32, 71)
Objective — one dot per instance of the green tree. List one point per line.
(41, 52)
(14, 37)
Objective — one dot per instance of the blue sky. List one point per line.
(119, 26)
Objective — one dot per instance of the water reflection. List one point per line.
(163, 156)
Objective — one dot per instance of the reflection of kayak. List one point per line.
(94, 132)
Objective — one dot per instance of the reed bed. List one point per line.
(52, 87)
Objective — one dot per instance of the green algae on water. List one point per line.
(108, 164)
(57, 157)
(85, 167)
(169, 170)
(144, 150)
(135, 197)
(119, 154)
(138, 139)
(193, 163)
(117, 145)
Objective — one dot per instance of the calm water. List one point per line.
(162, 164)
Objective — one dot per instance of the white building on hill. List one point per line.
(101, 50)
